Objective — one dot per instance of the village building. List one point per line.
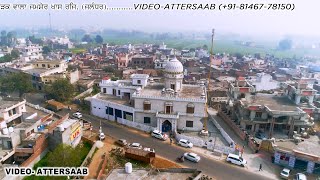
(168, 106)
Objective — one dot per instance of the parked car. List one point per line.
(77, 115)
(285, 173)
(102, 136)
(159, 135)
(261, 135)
(236, 159)
(185, 143)
(300, 176)
(192, 157)
(149, 149)
(135, 145)
(121, 142)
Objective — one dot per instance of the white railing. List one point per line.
(39, 108)
(136, 125)
(170, 98)
(223, 133)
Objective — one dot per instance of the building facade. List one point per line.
(168, 106)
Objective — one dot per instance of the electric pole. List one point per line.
(209, 77)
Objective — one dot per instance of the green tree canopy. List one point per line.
(98, 39)
(46, 49)
(35, 40)
(60, 90)
(87, 38)
(15, 53)
(285, 44)
(64, 156)
(16, 82)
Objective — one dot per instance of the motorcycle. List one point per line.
(180, 159)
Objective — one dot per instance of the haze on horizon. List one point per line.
(301, 21)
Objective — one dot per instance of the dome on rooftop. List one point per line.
(174, 66)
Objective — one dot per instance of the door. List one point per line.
(166, 126)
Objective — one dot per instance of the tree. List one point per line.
(285, 44)
(257, 55)
(64, 156)
(18, 82)
(98, 39)
(60, 90)
(87, 38)
(35, 40)
(46, 49)
(205, 47)
(15, 53)
(238, 55)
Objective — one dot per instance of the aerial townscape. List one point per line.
(131, 104)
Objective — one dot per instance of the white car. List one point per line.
(300, 176)
(285, 173)
(235, 159)
(157, 134)
(149, 150)
(77, 115)
(192, 157)
(185, 143)
(135, 145)
(102, 136)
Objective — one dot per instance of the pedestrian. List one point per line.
(260, 167)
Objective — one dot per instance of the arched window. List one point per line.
(146, 105)
(190, 108)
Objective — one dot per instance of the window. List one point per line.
(110, 111)
(104, 90)
(139, 81)
(57, 65)
(14, 111)
(189, 123)
(190, 108)
(146, 105)
(114, 92)
(258, 114)
(147, 120)
(43, 65)
(107, 110)
(118, 92)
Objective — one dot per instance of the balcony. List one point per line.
(167, 116)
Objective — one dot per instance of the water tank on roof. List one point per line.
(10, 129)
(61, 128)
(128, 167)
(5, 131)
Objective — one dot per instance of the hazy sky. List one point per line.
(303, 20)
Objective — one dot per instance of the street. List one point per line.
(216, 169)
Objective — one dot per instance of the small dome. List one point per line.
(174, 66)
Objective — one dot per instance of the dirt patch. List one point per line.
(160, 162)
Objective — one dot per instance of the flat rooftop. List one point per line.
(188, 91)
(273, 102)
(36, 70)
(8, 103)
(309, 146)
(113, 99)
(145, 174)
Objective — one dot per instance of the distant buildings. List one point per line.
(30, 52)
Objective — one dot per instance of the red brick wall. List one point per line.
(41, 148)
(56, 123)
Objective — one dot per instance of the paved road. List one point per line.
(217, 169)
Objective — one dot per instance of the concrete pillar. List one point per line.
(310, 167)
(252, 128)
(256, 129)
(292, 161)
(297, 100)
(291, 127)
(311, 99)
(252, 114)
(271, 127)
(235, 95)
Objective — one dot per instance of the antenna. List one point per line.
(50, 23)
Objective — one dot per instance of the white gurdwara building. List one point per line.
(167, 106)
